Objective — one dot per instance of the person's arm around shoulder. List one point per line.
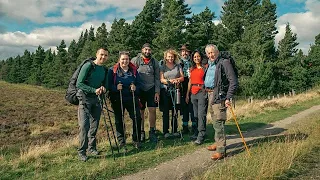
(82, 77)
(232, 78)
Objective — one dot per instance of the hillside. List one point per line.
(39, 135)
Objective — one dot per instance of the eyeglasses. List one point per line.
(124, 53)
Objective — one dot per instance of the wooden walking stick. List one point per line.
(235, 120)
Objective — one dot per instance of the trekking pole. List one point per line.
(105, 122)
(122, 117)
(114, 136)
(176, 102)
(235, 120)
(135, 114)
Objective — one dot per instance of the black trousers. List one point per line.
(128, 105)
(167, 104)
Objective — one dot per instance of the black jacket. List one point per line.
(225, 80)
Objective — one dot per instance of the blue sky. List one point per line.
(29, 23)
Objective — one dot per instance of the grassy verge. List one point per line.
(281, 157)
(39, 140)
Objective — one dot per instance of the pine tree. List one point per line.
(313, 63)
(36, 77)
(60, 68)
(72, 58)
(200, 29)
(286, 63)
(118, 39)
(48, 70)
(27, 64)
(236, 15)
(144, 25)
(170, 29)
(101, 37)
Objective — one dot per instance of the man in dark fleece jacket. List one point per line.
(225, 84)
(90, 86)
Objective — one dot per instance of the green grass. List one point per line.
(45, 112)
(262, 119)
(281, 157)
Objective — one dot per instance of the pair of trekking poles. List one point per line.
(104, 105)
(174, 99)
(122, 115)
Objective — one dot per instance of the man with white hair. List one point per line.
(221, 83)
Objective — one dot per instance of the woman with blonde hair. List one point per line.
(171, 75)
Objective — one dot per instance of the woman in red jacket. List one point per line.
(199, 97)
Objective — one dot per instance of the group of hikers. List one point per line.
(187, 83)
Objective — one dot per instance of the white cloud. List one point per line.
(14, 43)
(48, 11)
(306, 25)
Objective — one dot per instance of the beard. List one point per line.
(146, 56)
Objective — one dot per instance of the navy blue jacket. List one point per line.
(116, 75)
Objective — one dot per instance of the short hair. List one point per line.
(175, 54)
(146, 45)
(211, 46)
(103, 48)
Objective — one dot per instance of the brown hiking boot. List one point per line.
(212, 147)
(217, 156)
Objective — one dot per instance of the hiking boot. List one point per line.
(217, 156)
(197, 142)
(137, 145)
(143, 136)
(194, 137)
(167, 136)
(185, 130)
(82, 157)
(212, 147)
(152, 137)
(93, 152)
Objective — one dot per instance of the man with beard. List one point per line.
(149, 72)
(187, 110)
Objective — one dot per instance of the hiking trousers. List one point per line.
(120, 131)
(218, 114)
(200, 102)
(89, 113)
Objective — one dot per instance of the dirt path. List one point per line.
(186, 166)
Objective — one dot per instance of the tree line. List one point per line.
(247, 30)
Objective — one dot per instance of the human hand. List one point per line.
(187, 99)
(119, 87)
(98, 91)
(156, 97)
(227, 103)
(133, 87)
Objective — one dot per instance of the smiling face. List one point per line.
(170, 58)
(185, 54)
(212, 53)
(197, 58)
(124, 60)
(102, 56)
(146, 52)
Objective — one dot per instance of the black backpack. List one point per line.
(72, 88)
(227, 55)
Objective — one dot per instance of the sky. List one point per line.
(26, 24)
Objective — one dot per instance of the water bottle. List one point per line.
(178, 97)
